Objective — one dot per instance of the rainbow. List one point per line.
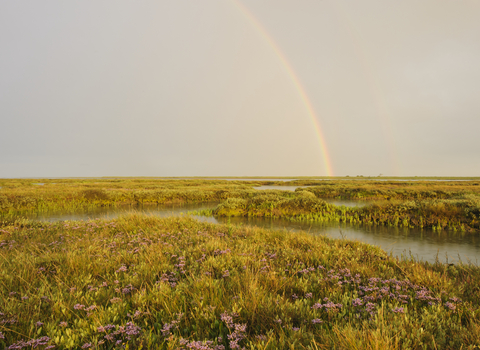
(295, 80)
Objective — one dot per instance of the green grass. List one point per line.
(440, 205)
(462, 215)
(73, 194)
(173, 282)
(454, 206)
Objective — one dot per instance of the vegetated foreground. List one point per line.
(145, 282)
(453, 206)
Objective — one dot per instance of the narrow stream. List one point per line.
(423, 244)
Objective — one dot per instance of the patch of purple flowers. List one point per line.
(237, 330)
(122, 268)
(357, 302)
(33, 343)
(329, 305)
(450, 305)
(121, 333)
(200, 345)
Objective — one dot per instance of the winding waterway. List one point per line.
(423, 244)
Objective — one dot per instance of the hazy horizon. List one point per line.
(235, 88)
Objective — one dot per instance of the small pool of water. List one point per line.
(346, 202)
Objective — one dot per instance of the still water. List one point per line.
(423, 244)
(164, 210)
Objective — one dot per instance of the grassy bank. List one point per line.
(144, 282)
(72, 194)
(457, 215)
(392, 190)
(438, 205)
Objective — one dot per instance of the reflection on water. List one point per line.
(421, 244)
(346, 202)
(164, 210)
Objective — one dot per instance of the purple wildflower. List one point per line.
(450, 306)
(261, 337)
(357, 302)
(122, 268)
(329, 305)
(32, 343)
(317, 320)
(166, 330)
(91, 308)
(225, 317)
(103, 329)
(398, 310)
(370, 308)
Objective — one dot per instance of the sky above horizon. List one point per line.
(239, 88)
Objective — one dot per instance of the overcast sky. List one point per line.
(192, 88)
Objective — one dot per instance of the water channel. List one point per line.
(423, 244)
